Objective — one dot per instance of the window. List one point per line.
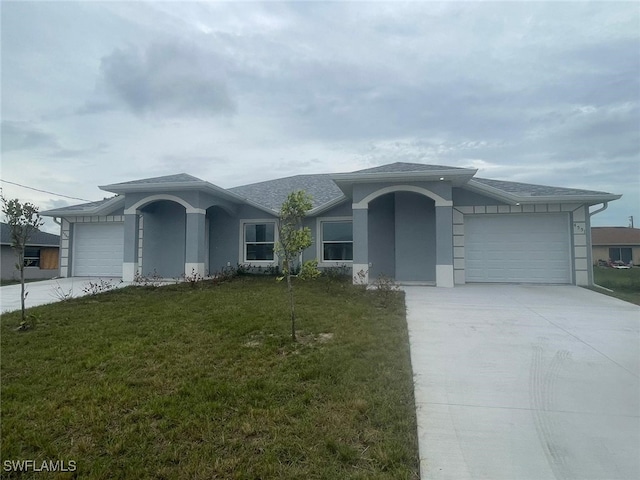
(32, 257)
(337, 241)
(259, 240)
(620, 254)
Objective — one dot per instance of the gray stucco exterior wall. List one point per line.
(444, 235)
(310, 253)
(9, 260)
(223, 240)
(382, 237)
(461, 196)
(415, 233)
(131, 235)
(195, 238)
(360, 236)
(164, 239)
(342, 210)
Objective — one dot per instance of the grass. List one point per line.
(204, 383)
(624, 283)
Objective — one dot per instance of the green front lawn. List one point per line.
(624, 283)
(203, 383)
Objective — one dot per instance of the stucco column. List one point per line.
(444, 246)
(582, 267)
(130, 257)
(195, 245)
(361, 246)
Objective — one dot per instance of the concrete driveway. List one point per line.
(525, 382)
(48, 291)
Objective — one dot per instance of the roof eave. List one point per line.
(492, 192)
(110, 206)
(584, 199)
(326, 206)
(457, 177)
(102, 209)
(514, 199)
(37, 244)
(463, 174)
(268, 210)
(153, 187)
(234, 197)
(202, 186)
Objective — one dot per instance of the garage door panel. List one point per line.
(517, 248)
(98, 249)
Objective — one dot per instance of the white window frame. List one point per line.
(320, 241)
(29, 259)
(243, 245)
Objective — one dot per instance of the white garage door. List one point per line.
(517, 248)
(98, 249)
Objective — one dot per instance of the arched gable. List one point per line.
(440, 202)
(161, 196)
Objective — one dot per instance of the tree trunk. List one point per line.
(22, 285)
(293, 308)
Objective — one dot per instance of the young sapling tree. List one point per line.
(293, 240)
(23, 220)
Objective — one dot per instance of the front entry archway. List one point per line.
(410, 237)
(402, 238)
(164, 239)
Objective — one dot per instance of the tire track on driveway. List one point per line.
(542, 390)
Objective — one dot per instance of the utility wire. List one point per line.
(45, 191)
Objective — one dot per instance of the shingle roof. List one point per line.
(37, 238)
(324, 189)
(615, 236)
(406, 167)
(273, 193)
(533, 190)
(84, 206)
(178, 178)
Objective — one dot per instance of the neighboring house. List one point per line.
(416, 223)
(41, 255)
(616, 244)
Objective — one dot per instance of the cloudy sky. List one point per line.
(95, 93)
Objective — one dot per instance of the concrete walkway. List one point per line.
(525, 382)
(48, 291)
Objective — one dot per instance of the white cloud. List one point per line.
(167, 79)
(541, 92)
